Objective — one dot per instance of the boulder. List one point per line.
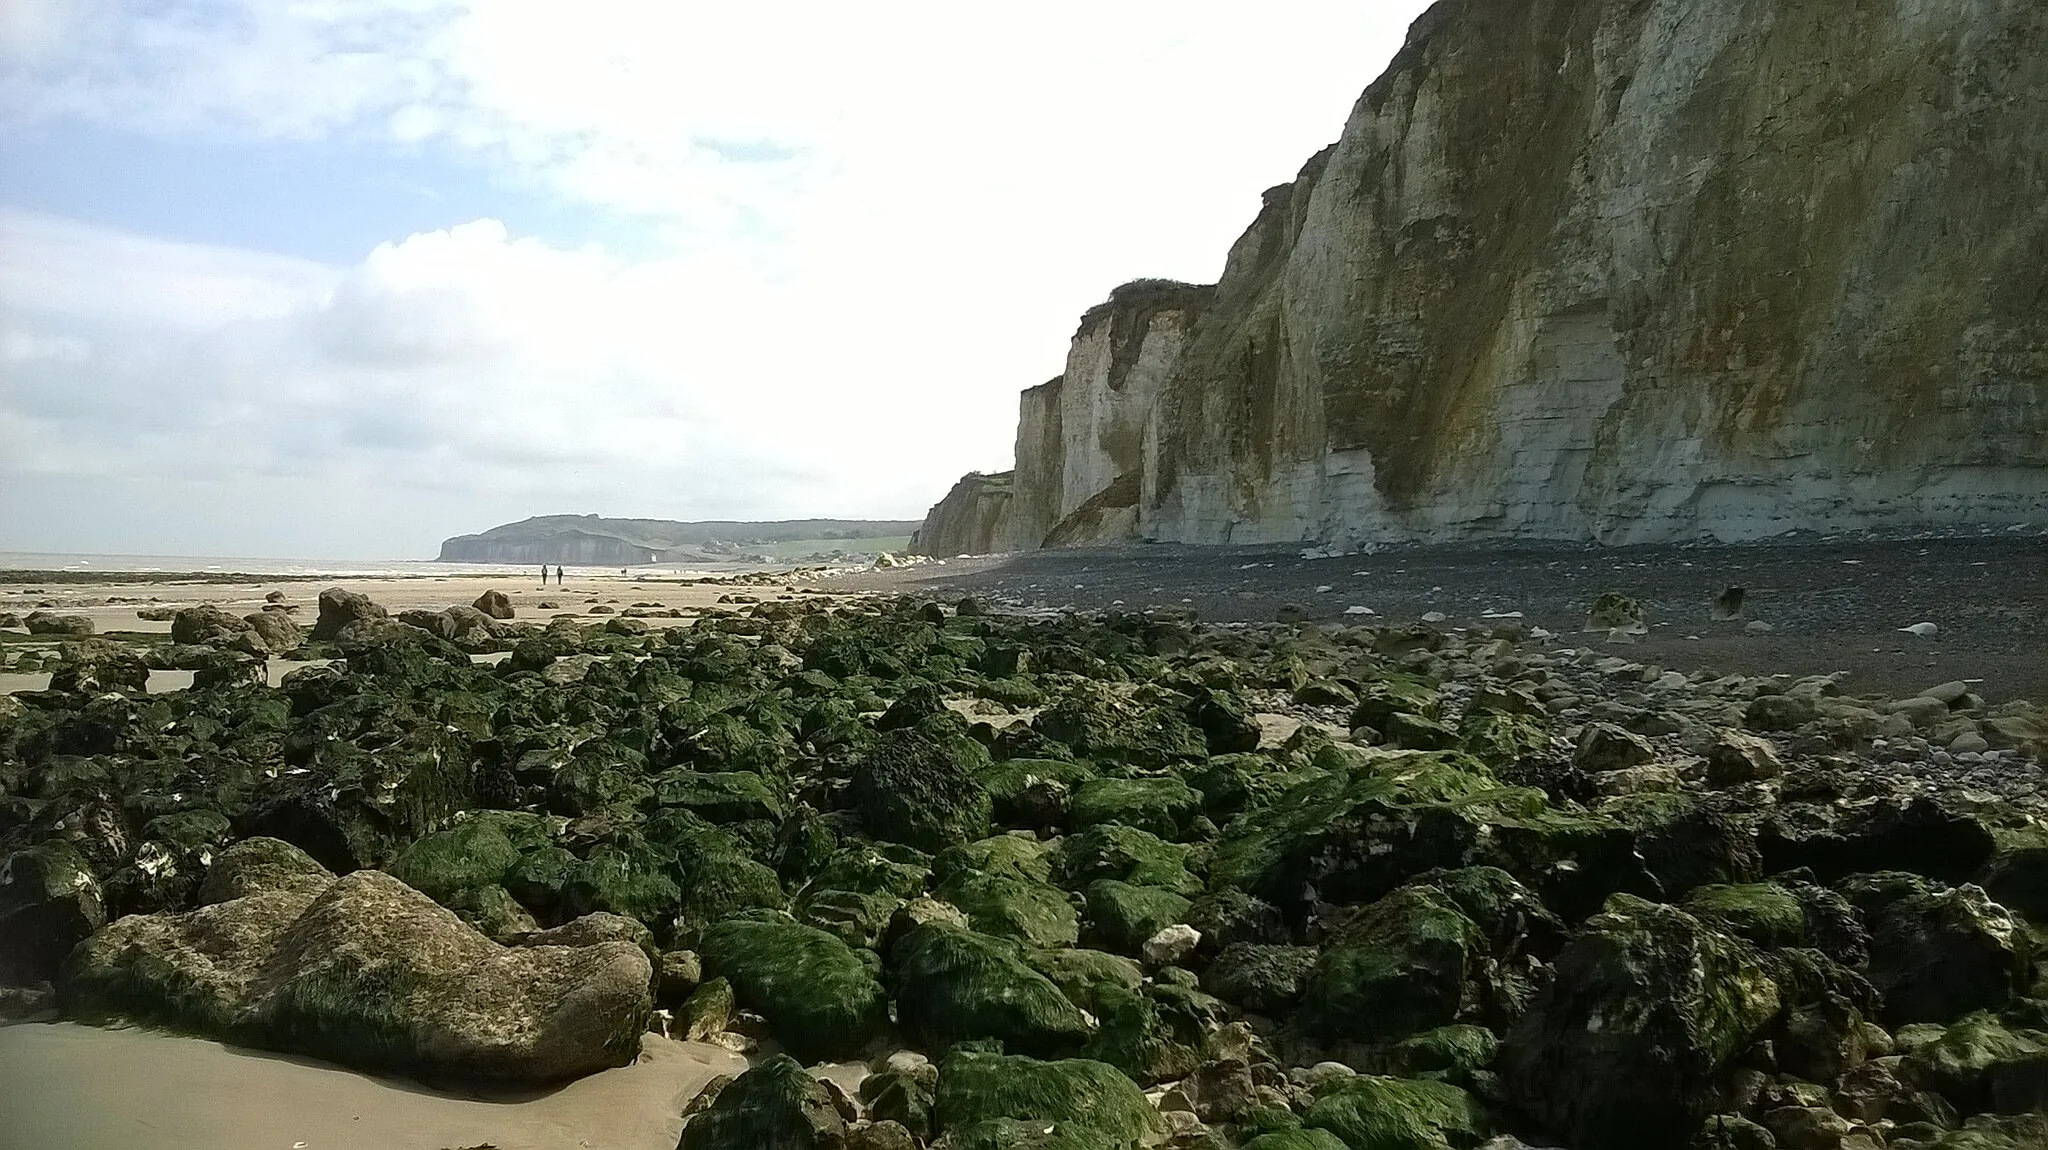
(777, 1105)
(1606, 747)
(364, 971)
(1919, 833)
(915, 790)
(1936, 952)
(49, 902)
(1013, 906)
(48, 623)
(207, 625)
(275, 631)
(1162, 806)
(93, 666)
(339, 608)
(1981, 1064)
(1399, 967)
(1644, 1017)
(495, 604)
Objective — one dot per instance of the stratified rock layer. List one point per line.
(1595, 269)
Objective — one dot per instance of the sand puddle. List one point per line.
(69, 1087)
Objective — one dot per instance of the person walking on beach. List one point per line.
(558, 575)
(543, 576)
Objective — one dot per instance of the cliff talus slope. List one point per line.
(1627, 270)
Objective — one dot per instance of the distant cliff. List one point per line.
(592, 541)
(1621, 270)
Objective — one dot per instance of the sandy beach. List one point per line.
(113, 605)
(70, 1087)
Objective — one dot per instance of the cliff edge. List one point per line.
(1619, 270)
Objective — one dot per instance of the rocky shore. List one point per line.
(957, 878)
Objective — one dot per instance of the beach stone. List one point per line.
(1613, 611)
(1171, 945)
(48, 623)
(1606, 747)
(1780, 712)
(1735, 757)
(679, 975)
(777, 1104)
(495, 604)
(364, 971)
(275, 631)
(1693, 1000)
(340, 607)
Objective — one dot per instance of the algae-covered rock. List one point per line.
(1157, 1033)
(1017, 788)
(1981, 1064)
(775, 1106)
(1126, 854)
(1399, 967)
(1089, 1102)
(952, 984)
(1258, 977)
(1014, 907)
(1162, 806)
(1454, 1053)
(1091, 979)
(1936, 952)
(367, 972)
(1303, 1139)
(1644, 1016)
(915, 790)
(1388, 695)
(1352, 836)
(819, 997)
(1371, 1112)
(1102, 729)
(50, 901)
(1763, 913)
(1225, 720)
(90, 666)
(1124, 916)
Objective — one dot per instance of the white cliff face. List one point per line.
(1625, 270)
(1631, 272)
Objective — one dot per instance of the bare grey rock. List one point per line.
(365, 971)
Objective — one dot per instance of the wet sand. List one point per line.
(1830, 605)
(70, 1087)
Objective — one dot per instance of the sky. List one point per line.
(342, 278)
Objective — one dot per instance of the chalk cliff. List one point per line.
(1626, 270)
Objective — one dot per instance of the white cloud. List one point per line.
(880, 222)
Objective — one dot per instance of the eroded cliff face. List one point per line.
(973, 518)
(1631, 270)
